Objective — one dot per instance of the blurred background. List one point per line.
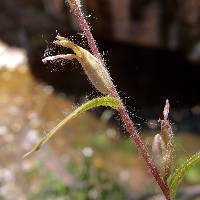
(152, 50)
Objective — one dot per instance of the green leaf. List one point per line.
(177, 177)
(101, 101)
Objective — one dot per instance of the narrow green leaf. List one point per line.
(101, 101)
(177, 177)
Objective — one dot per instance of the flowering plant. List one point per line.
(162, 160)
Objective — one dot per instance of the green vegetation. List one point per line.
(91, 183)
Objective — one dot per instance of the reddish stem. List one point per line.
(86, 29)
(122, 111)
(141, 148)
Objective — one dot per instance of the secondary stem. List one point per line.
(122, 111)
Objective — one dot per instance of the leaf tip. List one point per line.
(35, 149)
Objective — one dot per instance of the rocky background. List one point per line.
(151, 47)
(172, 24)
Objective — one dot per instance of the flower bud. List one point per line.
(158, 153)
(167, 135)
(166, 130)
(94, 68)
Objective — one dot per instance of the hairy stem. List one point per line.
(86, 29)
(122, 111)
(142, 149)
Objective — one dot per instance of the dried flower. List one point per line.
(167, 135)
(94, 68)
(163, 147)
